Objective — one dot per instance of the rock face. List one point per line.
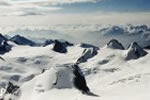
(114, 44)
(4, 47)
(12, 90)
(84, 45)
(62, 77)
(48, 42)
(20, 40)
(87, 54)
(135, 51)
(79, 80)
(147, 47)
(2, 38)
(59, 47)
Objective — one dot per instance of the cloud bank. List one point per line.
(93, 34)
(34, 7)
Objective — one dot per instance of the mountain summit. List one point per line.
(115, 44)
(135, 51)
(20, 40)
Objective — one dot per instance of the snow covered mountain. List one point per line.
(108, 73)
(20, 40)
(114, 44)
(135, 51)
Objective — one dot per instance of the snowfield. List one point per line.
(41, 75)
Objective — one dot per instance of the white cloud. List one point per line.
(52, 1)
(25, 7)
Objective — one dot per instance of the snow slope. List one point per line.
(108, 74)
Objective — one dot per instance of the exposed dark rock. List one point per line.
(87, 54)
(11, 88)
(20, 40)
(4, 47)
(59, 47)
(2, 38)
(79, 80)
(85, 45)
(115, 44)
(135, 51)
(147, 47)
(48, 42)
(64, 42)
(2, 58)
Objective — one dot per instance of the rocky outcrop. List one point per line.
(4, 47)
(87, 54)
(2, 38)
(48, 42)
(11, 92)
(115, 44)
(135, 51)
(147, 47)
(59, 47)
(20, 40)
(79, 80)
(85, 45)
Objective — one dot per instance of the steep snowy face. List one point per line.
(115, 44)
(65, 76)
(20, 40)
(59, 77)
(135, 51)
(87, 54)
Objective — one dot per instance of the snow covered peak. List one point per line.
(115, 44)
(20, 40)
(87, 54)
(134, 45)
(135, 51)
(65, 76)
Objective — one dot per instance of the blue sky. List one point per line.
(45, 7)
(110, 6)
(74, 11)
